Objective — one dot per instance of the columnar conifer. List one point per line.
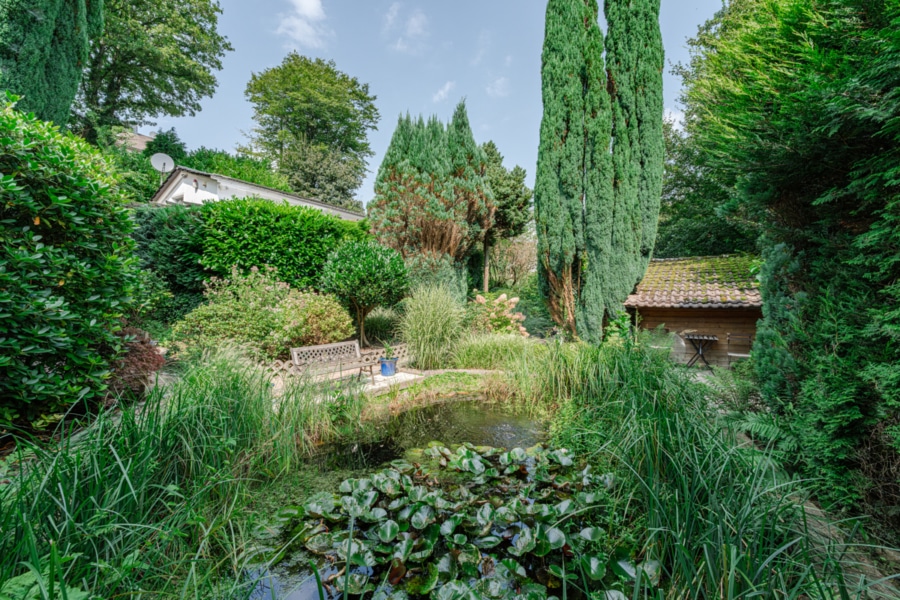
(599, 175)
(44, 45)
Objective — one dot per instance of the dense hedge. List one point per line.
(252, 233)
(67, 269)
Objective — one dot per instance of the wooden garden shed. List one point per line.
(699, 299)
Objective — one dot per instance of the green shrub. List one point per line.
(67, 272)
(382, 324)
(532, 304)
(295, 240)
(363, 275)
(263, 314)
(426, 271)
(170, 241)
(432, 323)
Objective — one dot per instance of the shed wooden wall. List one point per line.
(710, 321)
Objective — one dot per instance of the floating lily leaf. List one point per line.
(565, 507)
(406, 512)
(615, 595)
(367, 499)
(588, 499)
(376, 515)
(485, 514)
(592, 534)
(398, 503)
(505, 515)
(402, 466)
(487, 542)
(556, 538)
(387, 481)
(320, 543)
(352, 486)
(594, 567)
(319, 505)
(356, 584)
(454, 590)
(448, 526)
(423, 551)
(469, 555)
(388, 531)
(447, 568)
(423, 583)
(422, 517)
(290, 512)
(532, 591)
(562, 457)
(459, 539)
(352, 506)
(524, 542)
(417, 493)
(397, 572)
(625, 568)
(514, 567)
(650, 570)
(403, 550)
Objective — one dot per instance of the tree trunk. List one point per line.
(487, 264)
(361, 320)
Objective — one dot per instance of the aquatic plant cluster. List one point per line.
(474, 522)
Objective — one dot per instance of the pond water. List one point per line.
(451, 422)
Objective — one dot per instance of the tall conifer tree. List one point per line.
(599, 175)
(44, 45)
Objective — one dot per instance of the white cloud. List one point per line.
(390, 18)
(444, 92)
(303, 24)
(483, 47)
(498, 88)
(409, 32)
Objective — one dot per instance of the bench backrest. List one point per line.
(326, 354)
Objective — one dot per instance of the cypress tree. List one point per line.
(44, 45)
(599, 175)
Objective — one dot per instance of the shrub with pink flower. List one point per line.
(489, 314)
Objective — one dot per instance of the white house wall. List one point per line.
(195, 189)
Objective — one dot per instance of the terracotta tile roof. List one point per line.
(700, 282)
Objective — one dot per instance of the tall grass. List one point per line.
(150, 500)
(431, 325)
(492, 350)
(723, 520)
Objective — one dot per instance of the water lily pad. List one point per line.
(450, 525)
(376, 515)
(556, 538)
(403, 549)
(319, 505)
(651, 571)
(562, 457)
(388, 530)
(454, 590)
(402, 466)
(397, 504)
(485, 514)
(487, 542)
(397, 572)
(565, 507)
(423, 583)
(417, 493)
(514, 567)
(594, 567)
(625, 568)
(356, 584)
(320, 543)
(524, 542)
(422, 517)
(421, 551)
(532, 591)
(615, 595)
(459, 539)
(592, 534)
(447, 568)
(350, 486)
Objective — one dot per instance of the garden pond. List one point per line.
(486, 512)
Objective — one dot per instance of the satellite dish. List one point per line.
(162, 162)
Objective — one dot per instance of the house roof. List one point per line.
(134, 141)
(182, 172)
(701, 282)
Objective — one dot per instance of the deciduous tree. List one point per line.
(155, 58)
(43, 48)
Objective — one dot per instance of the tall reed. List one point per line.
(150, 499)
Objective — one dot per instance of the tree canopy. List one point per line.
(600, 161)
(795, 102)
(155, 58)
(43, 46)
(431, 197)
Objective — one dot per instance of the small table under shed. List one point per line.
(700, 343)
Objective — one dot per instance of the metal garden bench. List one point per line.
(328, 359)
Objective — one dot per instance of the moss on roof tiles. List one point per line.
(709, 281)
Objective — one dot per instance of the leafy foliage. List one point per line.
(250, 233)
(263, 314)
(170, 242)
(323, 174)
(43, 46)
(167, 142)
(431, 196)
(154, 58)
(426, 529)
(600, 161)
(131, 373)
(364, 275)
(795, 103)
(493, 313)
(696, 215)
(67, 272)
(512, 199)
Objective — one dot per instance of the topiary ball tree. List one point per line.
(67, 269)
(365, 275)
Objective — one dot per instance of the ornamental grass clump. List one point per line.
(433, 321)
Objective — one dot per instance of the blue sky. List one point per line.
(421, 56)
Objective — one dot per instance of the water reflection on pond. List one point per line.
(453, 422)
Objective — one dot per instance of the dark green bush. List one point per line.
(67, 270)
(253, 233)
(170, 241)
